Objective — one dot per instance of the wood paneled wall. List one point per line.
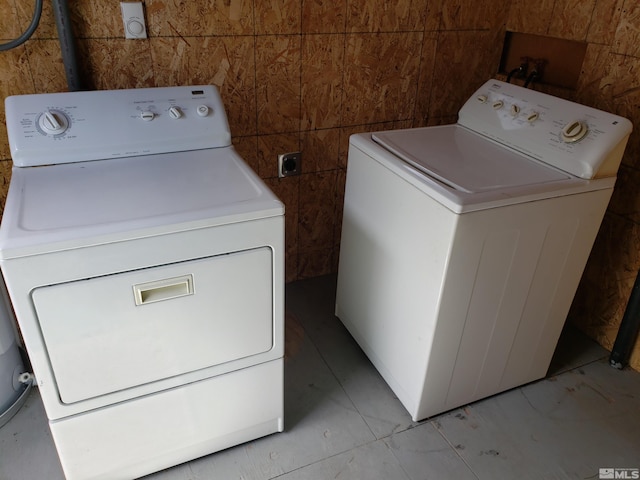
(305, 74)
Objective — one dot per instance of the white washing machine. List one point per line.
(144, 260)
(463, 245)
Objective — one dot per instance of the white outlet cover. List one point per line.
(133, 20)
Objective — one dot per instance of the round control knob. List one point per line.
(497, 105)
(515, 110)
(532, 117)
(574, 131)
(147, 115)
(175, 112)
(202, 110)
(482, 98)
(53, 122)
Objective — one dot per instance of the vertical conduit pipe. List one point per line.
(67, 45)
(628, 331)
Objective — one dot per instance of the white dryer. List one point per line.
(144, 260)
(463, 245)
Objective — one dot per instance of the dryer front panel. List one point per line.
(114, 332)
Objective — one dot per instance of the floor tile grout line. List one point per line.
(397, 459)
(333, 373)
(362, 416)
(337, 454)
(455, 450)
(375, 438)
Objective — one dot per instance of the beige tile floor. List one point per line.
(343, 422)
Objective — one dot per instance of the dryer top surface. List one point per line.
(75, 204)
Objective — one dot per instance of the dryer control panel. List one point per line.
(575, 138)
(53, 128)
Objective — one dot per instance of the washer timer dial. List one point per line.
(574, 131)
(53, 122)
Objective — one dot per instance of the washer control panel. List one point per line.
(53, 128)
(567, 135)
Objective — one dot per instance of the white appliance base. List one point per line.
(150, 433)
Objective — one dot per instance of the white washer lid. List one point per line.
(76, 204)
(464, 160)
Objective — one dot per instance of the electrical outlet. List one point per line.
(289, 164)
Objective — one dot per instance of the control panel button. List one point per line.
(147, 116)
(175, 112)
(574, 131)
(203, 110)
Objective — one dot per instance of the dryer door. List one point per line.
(114, 332)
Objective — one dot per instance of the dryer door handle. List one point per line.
(166, 289)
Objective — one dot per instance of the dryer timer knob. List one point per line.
(203, 110)
(53, 122)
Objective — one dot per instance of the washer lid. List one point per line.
(464, 160)
(77, 204)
